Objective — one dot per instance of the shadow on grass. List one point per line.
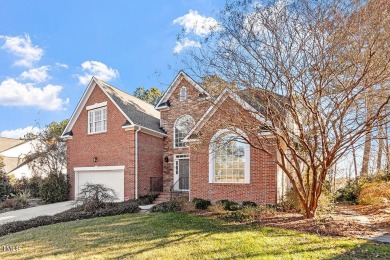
(366, 250)
(176, 235)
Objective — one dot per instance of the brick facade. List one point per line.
(116, 147)
(193, 106)
(262, 186)
(150, 161)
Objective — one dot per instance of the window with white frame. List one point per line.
(183, 93)
(229, 158)
(183, 125)
(97, 120)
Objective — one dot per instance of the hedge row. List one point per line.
(70, 215)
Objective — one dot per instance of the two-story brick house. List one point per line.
(125, 143)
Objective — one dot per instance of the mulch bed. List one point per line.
(336, 223)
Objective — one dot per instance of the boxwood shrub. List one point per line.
(229, 205)
(169, 206)
(201, 203)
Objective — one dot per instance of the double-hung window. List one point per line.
(97, 120)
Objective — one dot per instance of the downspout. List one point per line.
(136, 163)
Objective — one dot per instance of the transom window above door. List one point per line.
(97, 120)
(183, 125)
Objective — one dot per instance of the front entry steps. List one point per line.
(167, 196)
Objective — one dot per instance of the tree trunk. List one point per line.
(387, 148)
(380, 149)
(367, 143)
(354, 161)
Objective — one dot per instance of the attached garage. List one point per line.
(110, 176)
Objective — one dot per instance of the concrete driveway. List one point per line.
(25, 214)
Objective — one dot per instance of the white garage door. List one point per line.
(110, 176)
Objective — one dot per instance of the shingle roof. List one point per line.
(139, 111)
(7, 143)
(11, 163)
(259, 99)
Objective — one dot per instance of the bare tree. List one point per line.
(308, 66)
(49, 151)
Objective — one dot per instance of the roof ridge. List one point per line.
(143, 101)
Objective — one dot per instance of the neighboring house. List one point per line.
(118, 140)
(13, 152)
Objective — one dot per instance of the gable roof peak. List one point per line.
(175, 83)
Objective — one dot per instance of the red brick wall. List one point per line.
(113, 148)
(262, 186)
(192, 106)
(150, 160)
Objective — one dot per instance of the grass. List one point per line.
(179, 236)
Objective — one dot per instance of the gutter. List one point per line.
(136, 163)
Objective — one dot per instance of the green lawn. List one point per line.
(179, 236)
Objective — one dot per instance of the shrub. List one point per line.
(349, 193)
(249, 204)
(147, 199)
(34, 185)
(69, 215)
(169, 206)
(291, 202)
(201, 203)
(375, 193)
(229, 205)
(6, 189)
(218, 209)
(95, 196)
(246, 214)
(55, 188)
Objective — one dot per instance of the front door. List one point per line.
(182, 172)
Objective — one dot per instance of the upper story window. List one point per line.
(182, 127)
(183, 93)
(97, 120)
(229, 159)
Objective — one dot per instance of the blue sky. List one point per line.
(50, 49)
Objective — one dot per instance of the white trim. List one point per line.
(78, 170)
(145, 130)
(87, 93)
(183, 93)
(175, 84)
(136, 162)
(174, 131)
(103, 126)
(213, 108)
(177, 158)
(212, 158)
(99, 168)
(97, 105)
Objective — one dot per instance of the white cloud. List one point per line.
(199, 25)
(37, 74)
(185, 43)
(13, 93)
(22, 48)
(98, 69)
(20, 132)
(62, 65)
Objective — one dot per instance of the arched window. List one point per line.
(183, 125)
(183, 93)
(229, 160)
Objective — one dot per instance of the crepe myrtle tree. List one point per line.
(309, 68)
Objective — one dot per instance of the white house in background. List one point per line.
(13, 152)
